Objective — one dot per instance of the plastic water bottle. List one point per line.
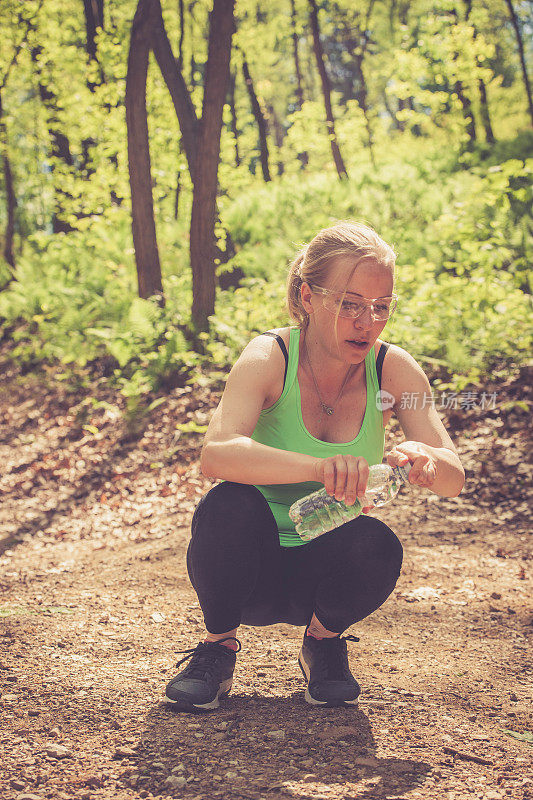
(318, 513)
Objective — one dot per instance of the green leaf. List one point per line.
(157, 402)
(527, 736)
(191, 427)
(11, 611)
(56, 610)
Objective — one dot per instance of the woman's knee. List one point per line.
(239, 500)
(373, 543)
(233, 517)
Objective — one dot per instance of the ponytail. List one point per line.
(294, 281)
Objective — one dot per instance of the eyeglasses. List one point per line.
(354, 306)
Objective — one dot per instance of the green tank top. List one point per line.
(282, 426)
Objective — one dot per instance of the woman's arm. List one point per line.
(428, 447)
(228, 451)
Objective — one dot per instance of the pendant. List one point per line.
(327, 409)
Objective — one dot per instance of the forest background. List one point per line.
(163, 163)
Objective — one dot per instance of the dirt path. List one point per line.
(96, 604)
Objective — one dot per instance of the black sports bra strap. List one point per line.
(283, 349)
(379, 360)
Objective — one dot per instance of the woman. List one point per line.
(306, 406)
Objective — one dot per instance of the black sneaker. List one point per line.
(207, 677)
(324, 664)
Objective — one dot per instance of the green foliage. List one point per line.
(457, 211)
(74, 301)
(489, 230)
(464, 245)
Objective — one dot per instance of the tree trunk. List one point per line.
(304, 155)
(278, 134)
(484, 109)
(94, 19)
(11, 202)
(259, 118)
(326, 91)
(299, 88)
(142, 207)
(467, 112)
(60, 148)
(394, 118)
(234, 128)
(183, 105)
(177, 87)
(466, 105)
(202, 235)
(357, 49)
(483, 101)
(520, 44)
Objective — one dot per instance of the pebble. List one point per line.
(175, 782)
(337, 732)
(57, 750)
(401, 767)
(178, 768)
(365, 761)
(124, 752)
(26, 796)
(276, 734)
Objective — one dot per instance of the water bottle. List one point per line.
(318, 513)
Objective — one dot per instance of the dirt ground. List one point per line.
(96, 606)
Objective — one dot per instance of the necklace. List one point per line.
(327, 409)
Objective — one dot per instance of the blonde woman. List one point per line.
(306, 406)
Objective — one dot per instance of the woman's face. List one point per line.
(370, 280)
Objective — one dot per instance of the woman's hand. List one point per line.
(424, 468)
(344, 477)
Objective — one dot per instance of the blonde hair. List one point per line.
(312, 264)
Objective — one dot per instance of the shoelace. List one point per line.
(334, 662)
(204, 657)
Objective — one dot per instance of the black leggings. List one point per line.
(241, 573)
